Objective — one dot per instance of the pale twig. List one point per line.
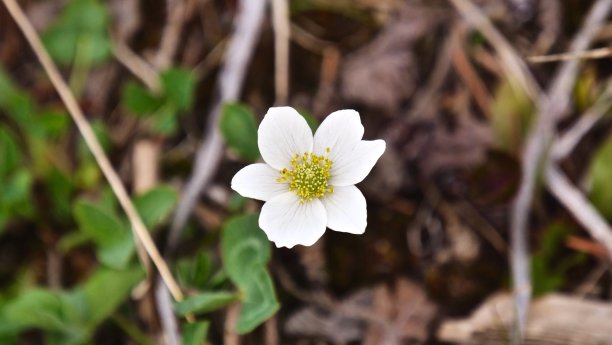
(513, 65)
(280, 21)
(575, 202)
(560, 186)
(517, 73)
(176, 11)
(92, 143)
(247, 28)
(135, 64)
(598, 53)
(566, 143)
(551, 107)
(230, 337)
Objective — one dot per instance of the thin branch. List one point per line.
(247, 28)
(92, 143)
(561, 187)
(135, 64)
(551, 107)
(599, 53)
(566, 143)
(248, 24)
(280, 20)
(515, 68)
(575, 202)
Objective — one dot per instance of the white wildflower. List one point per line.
(308, 183)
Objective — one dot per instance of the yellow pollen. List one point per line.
(308, 176)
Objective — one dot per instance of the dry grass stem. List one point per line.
(580, 207)
(135, 64)
(515, 68)
(240, 49)
(280, 20)
(552, 106)
(599, 53)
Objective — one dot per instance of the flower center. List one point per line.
(308, 176)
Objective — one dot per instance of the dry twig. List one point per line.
(280, 20)
(599, 53)
(551, 106)
(513, 65)
(562, 188)
(247, 27)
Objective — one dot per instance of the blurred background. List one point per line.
(496, 182)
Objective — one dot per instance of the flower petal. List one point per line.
(340, 132)
(288, 222)
(353, 167)
(258, 181)
(283, 133)
(346, 210)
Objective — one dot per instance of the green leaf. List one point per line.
(260, 300)
(114, 240)
(34, 308)
(244, 246)
(195, 333)
(52, 123)
(138, 100)
(179, 87)
(15, 196)
(205, 302)
(237, 124)
(60, 190)
(600, 173)
(10, 157)
(7, 89)
(164, 121)
(194, 272)
(236, 202)
(80, 31)
(106, 289)
(155, 205)
(511, 116)
(246, 251)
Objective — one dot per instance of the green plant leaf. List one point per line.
(164, 121)
(511, 116)
(194, 272)
(600, 174)
(106, 289)
(205, 302)
(260, 301)
(237, 124)
(155, 205)
(246, 251)
(115, 244)
(34, 308)
(10, 157)
(244, 246)
(195, 333)
(179, 87)
(80, 30)
(15, 196)
(51, 123)
(138, 100)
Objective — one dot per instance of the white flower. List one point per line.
(308, 183)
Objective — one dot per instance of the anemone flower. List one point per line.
(306, 182)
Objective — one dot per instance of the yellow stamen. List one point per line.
(308, 176)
